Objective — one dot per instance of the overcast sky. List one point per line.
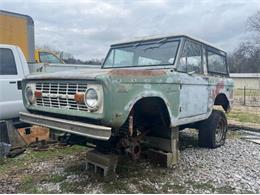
(87, 28)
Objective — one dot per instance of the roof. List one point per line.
(27, 17)
(245, 75)
(155, 37)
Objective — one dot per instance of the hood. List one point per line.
(90, 74)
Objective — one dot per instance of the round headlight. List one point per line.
(91, 98)
(29, 94)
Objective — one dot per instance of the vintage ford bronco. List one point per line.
(146, 89)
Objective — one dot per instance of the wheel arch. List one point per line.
(222, 100)
(151, 99)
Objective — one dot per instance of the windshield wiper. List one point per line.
(153, 47)
(162, 42)
(136, 45)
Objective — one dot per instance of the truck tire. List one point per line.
(212, 131)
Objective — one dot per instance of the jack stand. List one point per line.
(100, 163)
(165, 151)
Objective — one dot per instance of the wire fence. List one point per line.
(247, 97)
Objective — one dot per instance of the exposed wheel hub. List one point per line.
(134, 150)
(220, 131)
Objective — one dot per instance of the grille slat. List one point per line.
(60, 95)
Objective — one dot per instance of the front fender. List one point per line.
(119, 118)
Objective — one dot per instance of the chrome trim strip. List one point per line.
(79, 128)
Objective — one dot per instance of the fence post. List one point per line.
(244, 95)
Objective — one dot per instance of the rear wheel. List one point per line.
(212, 131)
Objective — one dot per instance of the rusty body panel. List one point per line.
(188, 97)
(137, 73)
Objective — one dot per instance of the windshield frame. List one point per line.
(138, 43)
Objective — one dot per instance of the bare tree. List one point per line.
(254, 22)
(246, 58)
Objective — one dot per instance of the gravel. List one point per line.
(232, 168)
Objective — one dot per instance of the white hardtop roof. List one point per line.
(244, 75)
(154, 37)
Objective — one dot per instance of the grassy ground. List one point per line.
(9, 164)
(245, 114)
(36, 167)
(252, 92)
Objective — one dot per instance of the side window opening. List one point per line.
(7, 62)
(191, 57)
(216, 62)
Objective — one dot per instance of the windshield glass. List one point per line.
(143, 54)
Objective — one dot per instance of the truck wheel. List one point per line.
(212, 131)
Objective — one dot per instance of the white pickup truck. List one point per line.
(13, 68)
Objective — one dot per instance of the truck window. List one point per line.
(143, 54)
(46, 57)
(7, 62)
(216, 63)
(191, 58)
(123, 58)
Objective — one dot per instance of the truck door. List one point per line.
(193, 85)
(11, 74)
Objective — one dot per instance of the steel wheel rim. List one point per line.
(220, 131)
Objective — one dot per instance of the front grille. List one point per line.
(60, 95)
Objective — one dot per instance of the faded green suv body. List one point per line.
(195, 79)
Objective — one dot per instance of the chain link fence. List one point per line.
(247, 97)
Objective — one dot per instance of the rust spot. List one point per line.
(79, 97)
(132, 72)
(219, 86)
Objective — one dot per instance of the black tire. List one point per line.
(212, 131)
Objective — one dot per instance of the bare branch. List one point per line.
(253, 22)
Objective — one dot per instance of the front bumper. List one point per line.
(79, 128)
